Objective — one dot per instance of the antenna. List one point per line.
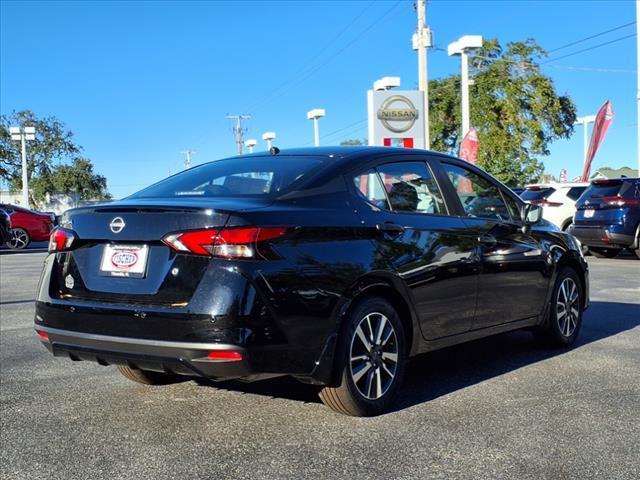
(238, 131)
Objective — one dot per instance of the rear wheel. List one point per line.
(146, 377)
(371, 358)
(600, 252)
(565, 311)
(18, 239)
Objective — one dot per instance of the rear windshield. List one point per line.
(536, 193)
(255, 177)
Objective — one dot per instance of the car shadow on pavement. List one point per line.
(442, 372)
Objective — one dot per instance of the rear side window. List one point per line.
(536, 193)
(370, 187)
(479, 197)
(411, 188)
(256, 177)
(574, 192)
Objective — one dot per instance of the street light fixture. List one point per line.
(250, 144)
(314, 115)
(22, 136)
(586, 120)
(269, 137)
(461, 47)
(386, 83)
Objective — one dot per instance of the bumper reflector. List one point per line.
(43, 335)
(225, 355)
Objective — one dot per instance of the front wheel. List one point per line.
(565, 311)
(18, 239)
(600, 252)
(371, 356)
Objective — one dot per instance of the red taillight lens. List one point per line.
(61, 239)
(225, 243)
(619, 201)
(225, 355)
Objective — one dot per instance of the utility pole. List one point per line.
(187, 157)
(638, 80)
(238, 131)
(422, 41)
(22, 135)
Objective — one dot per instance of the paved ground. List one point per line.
(496, 408)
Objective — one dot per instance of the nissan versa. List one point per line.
(331, 265)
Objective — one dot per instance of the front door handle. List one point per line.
(487, 240)
(390, 227)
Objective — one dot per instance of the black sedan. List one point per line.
(331, 265)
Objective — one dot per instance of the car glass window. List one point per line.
(513, 207)
(574, 192)
(479, 197)
(370, 187)
(411, 188)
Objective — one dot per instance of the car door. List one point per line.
(432, 251)
(514, 265)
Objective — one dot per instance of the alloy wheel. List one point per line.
(568, 307)
(373, 356)
(19, 239)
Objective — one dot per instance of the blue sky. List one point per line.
(139, 82)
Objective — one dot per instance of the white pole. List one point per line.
(316, 132)
(464, 77)
(269, 144)
(250, 147)
(638, 80)
(25, 178)
(423, 84)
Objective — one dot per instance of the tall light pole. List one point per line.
(250, 144)
(638, 79)
(269, 137)
(238, 131)
(461, 47)
(314, 115)
(586, 120)
(187, 158)
(27, 133)
(421, 41)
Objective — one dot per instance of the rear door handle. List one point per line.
(390, 227)
(487, 240)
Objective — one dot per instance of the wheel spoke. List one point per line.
(560, 314)
(387, 337)
(386, 369)
(369, 382)
(381, 325)
(361, 372)
(363, 338)
(371, 340)
(390, 356)
(378, 383)
(359, 357)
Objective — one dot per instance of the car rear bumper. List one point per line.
(183, 358)
(601, 237)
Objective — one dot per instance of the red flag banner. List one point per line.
(469, 146)
(600, 127)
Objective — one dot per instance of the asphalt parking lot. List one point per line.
(497, 408)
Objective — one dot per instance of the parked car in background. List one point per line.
(558, 200)
(5, 227)
(331, 265)
(607, 219)
(27, 226)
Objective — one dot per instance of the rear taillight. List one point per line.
(225, 355)
(545, 203)
(619, 201)
(226, 243)
(61, 239)
(43, 335)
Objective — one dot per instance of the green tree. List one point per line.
(53, 157)
(514, 107)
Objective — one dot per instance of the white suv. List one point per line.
(558, 200)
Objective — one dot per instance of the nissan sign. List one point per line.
(395, 118)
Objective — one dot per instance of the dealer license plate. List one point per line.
(124, 261)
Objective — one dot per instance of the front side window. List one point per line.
(479, 197)
(411, 188)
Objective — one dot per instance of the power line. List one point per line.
(591, 36)
(589, 48)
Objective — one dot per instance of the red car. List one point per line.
(27, 226)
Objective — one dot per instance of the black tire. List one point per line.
(603, 252)
(19, 239)
(561, 330)
(147, 377)
(379, 378)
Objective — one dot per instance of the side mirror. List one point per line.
(532, 214)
